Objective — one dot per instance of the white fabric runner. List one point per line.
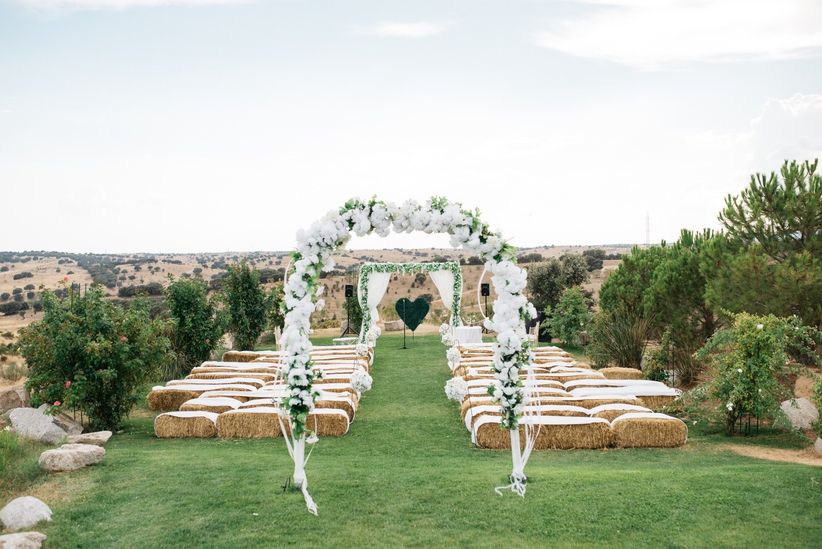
(444, 281)
(377, 286)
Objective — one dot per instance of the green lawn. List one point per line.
(406, 475)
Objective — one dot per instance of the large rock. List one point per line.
(818, 445)
(13, 397)
(24, 512)
(393, 325)
(70, 457)
(99, 438)
(801, 413)
(35, 425)
(68, 424)
(22, 540)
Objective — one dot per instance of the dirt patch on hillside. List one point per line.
(806, 456)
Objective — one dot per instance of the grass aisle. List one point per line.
(406, 474)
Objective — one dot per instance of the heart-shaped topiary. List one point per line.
(412, 312)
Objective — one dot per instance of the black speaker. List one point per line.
(485, 289)
(349, 290)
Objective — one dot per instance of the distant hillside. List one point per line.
(23, 275)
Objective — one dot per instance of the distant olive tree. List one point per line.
(246, 303)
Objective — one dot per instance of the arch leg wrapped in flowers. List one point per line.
(314, 255)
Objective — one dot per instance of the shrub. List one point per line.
(427, 297)
(13, 371)
(28, 287)
(4, 269)
(91, 354)
(5, 296)
(619, 337)
(197, 324)
(748, 362)
(246, 303)
(17, 291)
(570, 317)
(29, 295)
(22, 275)
(13, 307)
(150, 289)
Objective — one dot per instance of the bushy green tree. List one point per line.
(594, 258)
(91, 354)
(743, 277)
(570, 317)
(782, 215)
(545, 284)
(574, 270)
(246, 304)
(197, 323)
(276, 310)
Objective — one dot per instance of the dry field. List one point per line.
(141, 269)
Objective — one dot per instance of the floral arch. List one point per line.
(373, 283)
(314, 254)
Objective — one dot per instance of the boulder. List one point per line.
(393, 325)
(68, 424)
(13, 397)
(99, 438)
(801, 413)
(818, 445)
(70, 457)
(24, 512)
(35, 425)
(22, 540)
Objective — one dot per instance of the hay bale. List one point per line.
(186, 425)
(657, 402)
(648, 430)
(217, 405)
(551, 410)
(613, 411)
(263, 422)
(555, 433)
(259, 422)
(162, 399)
(621, 373)
(226, 382)
(263, 377)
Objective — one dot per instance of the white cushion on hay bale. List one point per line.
(561, 433)
(224, 381)
(218, 405)
(468, 334)
(613, 411)
(648, 430)
(580, 383)
(549, 410)
(186, 425)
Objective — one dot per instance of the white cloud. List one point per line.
(651, 34)
(68, 5)
(393, 29)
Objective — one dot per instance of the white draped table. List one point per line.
(468, 334)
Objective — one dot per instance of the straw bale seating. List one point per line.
(171, 397)
(555, 432)
(186, 425)
(648, 430)
(217, 405)
(613, 411)
(221, 382)
(263, 422)
(621, 373)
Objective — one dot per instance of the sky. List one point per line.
(217, 125)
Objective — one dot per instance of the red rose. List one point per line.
(68, 384)
(57, 403)
(123, 339)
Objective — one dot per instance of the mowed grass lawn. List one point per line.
(407, 475)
